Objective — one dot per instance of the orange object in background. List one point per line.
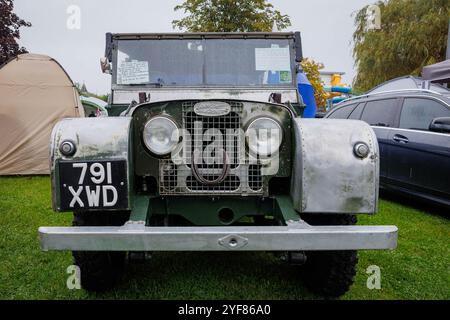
(336, 80)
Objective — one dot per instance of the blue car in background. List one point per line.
(413, 131)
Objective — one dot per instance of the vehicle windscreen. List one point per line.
(215, 62)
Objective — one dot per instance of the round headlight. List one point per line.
(161, 135)
(264, 136)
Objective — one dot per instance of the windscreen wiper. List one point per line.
(379, 124)
(156, 84)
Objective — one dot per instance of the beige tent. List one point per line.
(35, 92)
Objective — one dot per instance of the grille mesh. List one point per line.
(222, 126)
(222, 133)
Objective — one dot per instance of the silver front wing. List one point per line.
(296, 236)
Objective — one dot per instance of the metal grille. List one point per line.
(211, 128)
(168, 176)
(231, 183)
(255, 179)
(212, 135)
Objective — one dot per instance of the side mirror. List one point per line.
(440, 125)
(105, 65)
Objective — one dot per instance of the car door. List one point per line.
(382, 115)
(420, 159)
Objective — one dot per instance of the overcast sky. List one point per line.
(326, 26)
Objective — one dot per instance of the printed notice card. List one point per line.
(133, 72)
(272, 59)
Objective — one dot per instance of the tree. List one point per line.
(10, 24)
(312, 71)
(83, 88)
(413, 34)
(230, 16)
(83, 91)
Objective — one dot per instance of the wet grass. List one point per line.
(418, 269)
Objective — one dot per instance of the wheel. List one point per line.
(330, 273)
(100, 270)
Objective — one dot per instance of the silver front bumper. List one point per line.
(294, 237)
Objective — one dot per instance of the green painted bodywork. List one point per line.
(116, 109)
(204, 211)
(148, 165)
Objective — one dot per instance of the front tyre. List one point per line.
(330, 273)
(100, 270)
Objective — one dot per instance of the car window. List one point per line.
(417, 113)
(342, 113)
(356, 114)
(380, 112)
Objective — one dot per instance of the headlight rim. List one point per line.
(265, 117)
(151, 150)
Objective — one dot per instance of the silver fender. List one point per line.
(95, 139)
(327, 175)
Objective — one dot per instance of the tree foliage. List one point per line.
(10, 24)
(413, 34)
(230, 16)
(312, 71)
(83, 91)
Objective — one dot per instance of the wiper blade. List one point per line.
(156, 84)
(379, 124)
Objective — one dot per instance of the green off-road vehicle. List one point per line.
(211, 153)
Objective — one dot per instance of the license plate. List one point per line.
(97, 185)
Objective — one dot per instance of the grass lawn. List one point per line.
(418, 269)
